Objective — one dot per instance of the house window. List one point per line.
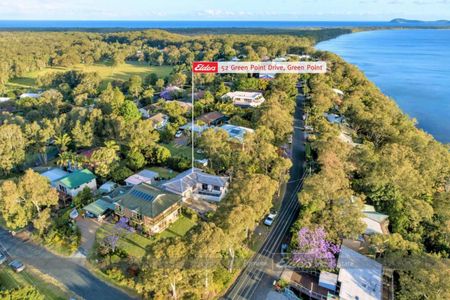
(204, 186)
(216, 188)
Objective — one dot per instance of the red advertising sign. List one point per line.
(205, 67)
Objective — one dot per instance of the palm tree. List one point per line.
(63, 140)
(65, 159)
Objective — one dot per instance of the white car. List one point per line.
(17, 265)
(270, 218)
(178, 134)
(290, 139)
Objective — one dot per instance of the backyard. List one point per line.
(135, 244)
(182, 151)
(163, 172)
(106, 71)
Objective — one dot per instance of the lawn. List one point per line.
(164, 172)
(11, 280)
(107, 72)
(182, 151)
(179, 228)
(135, 244)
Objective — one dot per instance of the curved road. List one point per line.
(255, 281)
(69, 271)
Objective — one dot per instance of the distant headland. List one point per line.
(408, 21)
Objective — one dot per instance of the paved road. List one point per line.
(255, 281)
(68, 271)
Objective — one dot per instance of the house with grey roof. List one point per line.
(148, 207)
(194, 183)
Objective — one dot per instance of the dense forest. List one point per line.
(390, 164)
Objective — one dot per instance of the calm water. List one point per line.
(411, 66)
(195, 24)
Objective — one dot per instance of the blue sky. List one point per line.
(298, 10)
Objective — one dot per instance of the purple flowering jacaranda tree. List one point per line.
(313, 250)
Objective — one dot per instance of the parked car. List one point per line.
(283, 249)
(2, 258)
(90, 215)
(178, 134)
(290, 139)
(17, 265)
(270, 218)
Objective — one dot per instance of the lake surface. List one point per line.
(199, 24)
(411, 66)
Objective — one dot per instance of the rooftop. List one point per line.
(55, 174)
(211, 117)
(142, 176)
(187, 179)
(236, 132)
(360, 276)
(158, 118)
(147, 200)
(77, 178)
(246, 95)
(99, 207)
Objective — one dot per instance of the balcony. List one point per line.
(209, 195)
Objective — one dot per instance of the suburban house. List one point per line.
(75, 182)
(107, 187)
(198, 129)
(334, 118)
(213, 118)
(359, 277)
(236, 132)
(194, 183)
(143, 176)
(55, 174)
(266, 76)
(144, 113)
(30, 95)
(148, 207)
(376, 222)
(172, 92)
(245, 99)
(4, 99)
(187, 106)
(159, 120)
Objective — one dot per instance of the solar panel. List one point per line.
(235, 131)
(142, 195)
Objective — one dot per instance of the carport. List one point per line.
(99, 207)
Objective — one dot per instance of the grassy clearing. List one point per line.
(12, 280)
(106, 71)
(135, 244)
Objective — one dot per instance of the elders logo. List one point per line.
(205, 67)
